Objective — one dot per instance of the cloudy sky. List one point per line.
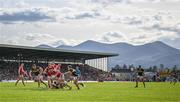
(70, 22)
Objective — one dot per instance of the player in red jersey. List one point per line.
(49, 71)
(53, 73)
(57, 67)
(21, 74)
(58, 80)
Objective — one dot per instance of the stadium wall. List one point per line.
(100, 63)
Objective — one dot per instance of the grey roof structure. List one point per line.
(10, 51)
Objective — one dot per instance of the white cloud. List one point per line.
(25, 15)
(40, 38)
(161, 28)
(34, 39)
(113, 36)
(138, 38)
(62, 41)
(54, 22)
(83, 15)
(49, 39)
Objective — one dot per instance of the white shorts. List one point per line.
(75, 77)
(140, 77)
(53, 77)
(40, 76)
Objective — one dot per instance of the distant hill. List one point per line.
(44, 46)
(149, 54)
(65, 47)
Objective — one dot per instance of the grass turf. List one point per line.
(92, 92)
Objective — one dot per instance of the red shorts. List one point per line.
(58, 74)
(22, 73)
(49, 73)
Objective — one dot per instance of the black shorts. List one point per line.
(35, 74)
(140, 74)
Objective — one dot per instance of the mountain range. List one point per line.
(147, 55)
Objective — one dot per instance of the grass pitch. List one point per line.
(92, 92)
